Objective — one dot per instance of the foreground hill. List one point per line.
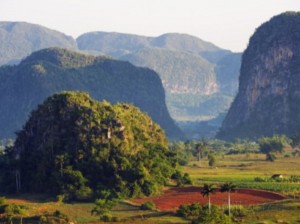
(48, 71)
(76, 146)
(19, 39)
(268, 99)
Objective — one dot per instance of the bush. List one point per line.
(270, 157)
(215, 216)
(260, 179)
(2, 200)
(191, 212)
(211, 160)
(238, 211)
(149, 205)
(60, 198)
(294, 179)
(181, 179)
(200, 214)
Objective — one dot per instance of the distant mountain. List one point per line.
(188, 79)
(204, 73)
(268, 100)
(195, 73)
(179, 71)
(19, 39)
(118, 44)
(48, 71)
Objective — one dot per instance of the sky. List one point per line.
(227, 23)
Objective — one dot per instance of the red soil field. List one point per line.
(172, 198)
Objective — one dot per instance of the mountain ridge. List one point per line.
(29, 83)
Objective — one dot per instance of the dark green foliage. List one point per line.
(275, 143)
(191, 212)
(49, 71)
(201, 214)
(149, 205)
(76, 147)
(270, 157)
(181, 179)
(212, 160)
(104, 205)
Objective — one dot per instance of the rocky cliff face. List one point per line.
(268, 101)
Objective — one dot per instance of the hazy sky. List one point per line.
(226, 23)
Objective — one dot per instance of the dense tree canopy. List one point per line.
(76, 146)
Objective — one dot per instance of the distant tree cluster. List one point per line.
(271, 145)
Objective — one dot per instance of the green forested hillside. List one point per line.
(19, 39)
(76, 146)
(49, 71)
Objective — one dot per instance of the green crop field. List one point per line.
(243, 169)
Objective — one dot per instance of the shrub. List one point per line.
(270, 157)
(181, 179)
(260, 179)
(149, 205)
(294, 178)
(238, 211)
(200, 214)
(2, 200)
(191, 212)
(211, 160)
(60, 198)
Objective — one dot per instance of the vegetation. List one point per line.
(149, 205)
(228, 187)
(271, 145)
(77, 147)
(202, 214)
(207, 190)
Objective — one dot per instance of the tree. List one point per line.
(13, 210)
(201, 147)
(211, 159)
(273, 144)
(228, 187)
(206, 191)
(104, 205)
(60, 160)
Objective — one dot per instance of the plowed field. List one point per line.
(172, 198)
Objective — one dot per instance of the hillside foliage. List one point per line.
(77, 147)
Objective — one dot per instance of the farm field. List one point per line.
(243, 169)
(281, 206)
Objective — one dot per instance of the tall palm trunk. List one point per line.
(228, 195)
(209, 206)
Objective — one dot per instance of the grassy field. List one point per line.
(240, 169)
(243, 169)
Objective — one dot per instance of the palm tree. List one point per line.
(228, 187)
(206, 191)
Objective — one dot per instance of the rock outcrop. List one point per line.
(268, 101)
